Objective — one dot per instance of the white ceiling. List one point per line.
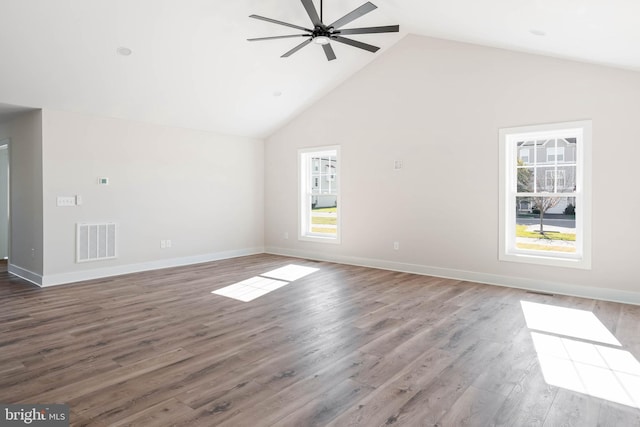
(192, 66)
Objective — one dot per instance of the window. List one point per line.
(319, 194)
(545, 204)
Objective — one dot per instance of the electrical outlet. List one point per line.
(396, 245)
(285, 235)
(168, 244)
(163, 244)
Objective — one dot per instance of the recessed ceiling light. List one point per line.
(537, 32)
(124, 51)
(277, 93)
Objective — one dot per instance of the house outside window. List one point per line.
(554, 180)
(545, 203)
(319, 218)
(555, 153)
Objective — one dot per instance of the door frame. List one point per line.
(6, 142)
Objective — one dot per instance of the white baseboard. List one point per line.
(99, 273)
(25, 274)
(614, 295)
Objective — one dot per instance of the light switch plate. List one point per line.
(66, 201)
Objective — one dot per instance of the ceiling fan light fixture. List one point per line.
(321, 40)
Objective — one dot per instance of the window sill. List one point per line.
(581, 263)
(319, 239)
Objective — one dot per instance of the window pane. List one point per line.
(324, 215)
(525, 180)
(546, 179)
(323, 175)
(570, 149)
(545, 224)
(555, 154)
(525, 152)
(525, 157)
(566, 179)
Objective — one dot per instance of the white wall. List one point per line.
(437, 106)
(201, 190)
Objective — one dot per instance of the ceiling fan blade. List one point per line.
(274, 21)
(279, 37)
(355, 43)
(362, 10)
(370, 30)
(328, 50)
(297, 48)
(312, 12)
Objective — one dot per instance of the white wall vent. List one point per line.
(95, 241)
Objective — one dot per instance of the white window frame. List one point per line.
(304, 197)
(508, 138)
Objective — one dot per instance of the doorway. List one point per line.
(4, 204)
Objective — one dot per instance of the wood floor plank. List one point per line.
(627, 328)
(474, 408)
(381, 405)
(573, 410)
(323, 408)
(114, 402)
(345, 345)
(434, 398)
(509, 367)
(618, 415)
(116, 376)
(292, 398)
(168, 413)
(529, 401)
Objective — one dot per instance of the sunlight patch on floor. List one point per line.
(290, 272)
(568, 361)
(567, 321)
(257, 286)
(250, 289)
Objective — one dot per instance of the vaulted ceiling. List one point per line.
(191, 65)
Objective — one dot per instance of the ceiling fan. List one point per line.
(323, 34)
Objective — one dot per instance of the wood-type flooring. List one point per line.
(344, 346)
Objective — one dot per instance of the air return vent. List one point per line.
(95, 241)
